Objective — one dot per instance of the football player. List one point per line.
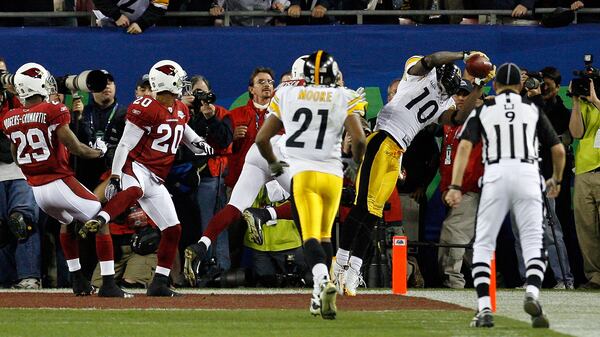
(314, 117)
(424, 96)
(41, 144)
(153, 131)
(255, 174)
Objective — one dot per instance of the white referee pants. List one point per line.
(510, 186)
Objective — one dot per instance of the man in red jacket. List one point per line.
(247, 120)
(459, 225)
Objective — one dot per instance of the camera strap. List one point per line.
(110, 117)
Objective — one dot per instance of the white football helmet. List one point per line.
(33, 79)
(298, 68)
(167, 75)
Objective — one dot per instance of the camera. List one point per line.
(533, 81)
(580, 86)
(200, 96)
(6, 79)
(87, 80)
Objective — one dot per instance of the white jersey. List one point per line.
(313, 118)
(418, 102)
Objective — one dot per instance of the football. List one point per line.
(479, 66)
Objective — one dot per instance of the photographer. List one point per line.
(214, 124)
(542, 88)
(20, 251)
(585, 126)
(98, 120)
(135, 260)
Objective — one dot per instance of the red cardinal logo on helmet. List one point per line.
(167, 69)
(33, 72)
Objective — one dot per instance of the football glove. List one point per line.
(489, 77)
(113, 187)
(203, 149)
(99, 144)
(277, 168)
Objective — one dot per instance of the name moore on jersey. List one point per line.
(313, 117)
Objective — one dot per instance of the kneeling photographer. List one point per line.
(135, 240)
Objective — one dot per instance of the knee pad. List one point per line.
(19, 225)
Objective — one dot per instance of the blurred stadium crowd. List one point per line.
(135, 16)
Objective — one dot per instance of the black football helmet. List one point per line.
(321, 69)
(448, 77)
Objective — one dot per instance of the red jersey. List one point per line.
(41, 156)
(474, 168)
(163, 132)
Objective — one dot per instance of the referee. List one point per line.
(510, 127)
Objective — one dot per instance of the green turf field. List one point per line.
(56, 322)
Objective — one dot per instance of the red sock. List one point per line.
(220, 221)
(284, 211)
(169, 240)
(120, 202)
(104, 247)
(70, 246)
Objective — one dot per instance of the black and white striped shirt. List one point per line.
(510, 126)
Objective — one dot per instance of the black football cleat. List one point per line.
(113, 291)
(91, 226)
(255, 219)
(81, 285)
(160, 287)
(193, 255)
(483, 319)
(533, 307)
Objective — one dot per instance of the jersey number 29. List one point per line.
(36, 141)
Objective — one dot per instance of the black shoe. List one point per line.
(113, 291)
(81, 285)
(483, 319)
(160, 287)
(194, 254)
(534, 309)
(91, 226)
(255, 219)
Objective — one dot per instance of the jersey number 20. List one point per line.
(292, 140)
(170, 139)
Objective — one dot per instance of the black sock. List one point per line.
(328, 249)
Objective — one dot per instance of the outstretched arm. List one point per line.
(196, 143)
(67, 137)
(434, 60)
